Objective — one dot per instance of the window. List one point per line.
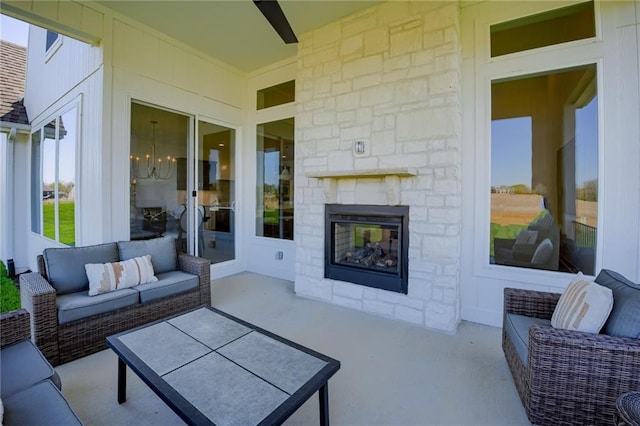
(571, 23)
(275, 151)
(276, 95)
(53, 180)
(52, 44)
(544, 170)
(51, 39)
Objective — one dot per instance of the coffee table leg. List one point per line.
(323, 393)
(122, 381)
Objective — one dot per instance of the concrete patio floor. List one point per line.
(392, 373)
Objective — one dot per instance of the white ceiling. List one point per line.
(234, 31)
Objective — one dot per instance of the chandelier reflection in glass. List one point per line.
(153, 168)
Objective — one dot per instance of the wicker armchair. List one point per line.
(14, 326)
(570, 377)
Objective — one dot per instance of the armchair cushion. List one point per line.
(80, 305)
(21, 366)
(623, 320)
(27, 407)
(65, 267)
(164, 255)
(517, 327)
(583, 306)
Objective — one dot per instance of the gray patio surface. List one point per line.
(392, 373)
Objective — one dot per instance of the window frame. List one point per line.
(55, 116)
(55, 46)
(487, 69)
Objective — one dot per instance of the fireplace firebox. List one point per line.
(367, 245)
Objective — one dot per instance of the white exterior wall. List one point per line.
(389, 75)
(74, 73)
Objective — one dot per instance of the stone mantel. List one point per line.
(365, 173)
(391, 181)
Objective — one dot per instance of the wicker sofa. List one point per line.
(29, 386)
(568, 377)
(67, 323)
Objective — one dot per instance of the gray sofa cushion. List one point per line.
(23, 365)
(164, 256)
(623, 319)
(169, 283)
(65, 266)
(39, 405)
(518, 330)
(80, 305)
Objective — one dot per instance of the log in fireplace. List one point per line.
(367, 245)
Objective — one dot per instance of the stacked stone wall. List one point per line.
(389, 76)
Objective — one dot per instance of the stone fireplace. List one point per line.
(378, 123)
(367, 245)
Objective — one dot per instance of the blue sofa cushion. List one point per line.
(518, 330)
(65, 266)
(623, 319)
(23, 365)
(164, 256)
(38, 405)
(80, 305)
(169, 283)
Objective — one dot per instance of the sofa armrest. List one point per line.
(200, 267)
(14, 326)
(39, 298)
(537, 304)
(596, 368)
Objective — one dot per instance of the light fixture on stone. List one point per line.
(153, 168)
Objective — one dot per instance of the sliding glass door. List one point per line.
(216, 207)
(182, 182)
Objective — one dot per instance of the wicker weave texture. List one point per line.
(571, 378)
(14, 326)
(73, 340)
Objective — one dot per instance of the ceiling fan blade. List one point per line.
(274, 14)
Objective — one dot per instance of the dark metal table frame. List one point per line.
(190, 414)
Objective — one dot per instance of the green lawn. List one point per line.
(67, 221)
(504, 231)
(9, 294)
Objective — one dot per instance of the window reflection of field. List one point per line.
(510, 213)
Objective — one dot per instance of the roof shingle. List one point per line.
(13, 66)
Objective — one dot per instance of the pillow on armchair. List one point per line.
(623, 321)
(583, 306)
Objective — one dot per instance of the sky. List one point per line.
(14, 30)
(511, 148)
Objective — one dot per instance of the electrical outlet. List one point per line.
(279, 255)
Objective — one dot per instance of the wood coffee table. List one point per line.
(213, 368)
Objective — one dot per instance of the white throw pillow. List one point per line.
(583, 306)
(105, 277)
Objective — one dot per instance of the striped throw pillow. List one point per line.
(105, 277)
(583, 306)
